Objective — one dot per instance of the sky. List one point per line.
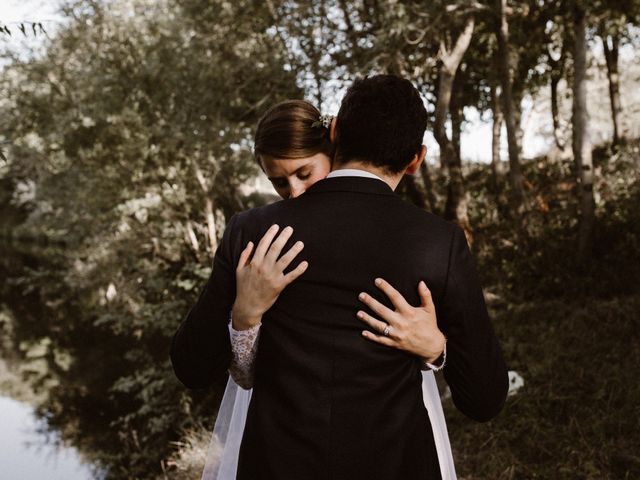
(20, 10)
(44, 11)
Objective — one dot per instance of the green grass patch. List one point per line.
(578, 415)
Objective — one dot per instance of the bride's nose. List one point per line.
(297, 189)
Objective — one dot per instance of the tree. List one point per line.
(450, 58)
(515, 174)
(581, 141)
(612, 19)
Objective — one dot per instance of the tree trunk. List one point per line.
(555, 115)
(456, 113)
(611, 56)
(496, 163)
(209, 213)
(557, 71)
(456, 205)
(211, 225)
(516, 101)
(581, 140)
(515, 173)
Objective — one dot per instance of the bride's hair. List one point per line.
(290, 130)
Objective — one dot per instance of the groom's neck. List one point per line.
(392, 179)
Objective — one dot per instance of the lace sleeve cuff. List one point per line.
(243, 347)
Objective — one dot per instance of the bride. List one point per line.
(294, 149)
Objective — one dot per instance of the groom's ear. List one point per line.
(417, 160)
(332, 129)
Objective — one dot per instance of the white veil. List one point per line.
(222, 456)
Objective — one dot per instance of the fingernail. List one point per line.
(288, 229)
(299, 244)
(275, 226)
(378, 281)
(361, 296)
(360, 314)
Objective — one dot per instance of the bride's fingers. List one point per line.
(264, 243)
(396, 297)
(288, 257)
(377, 307)
(244, 256)
(278, 244)
(295, 273)
(378, 327)
(425, 296)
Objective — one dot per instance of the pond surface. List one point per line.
(28, 453)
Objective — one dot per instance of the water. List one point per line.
(25, 453)
(67, 369)
(30, 449)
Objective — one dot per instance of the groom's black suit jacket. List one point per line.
(327, 403)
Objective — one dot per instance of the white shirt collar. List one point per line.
(352, 172)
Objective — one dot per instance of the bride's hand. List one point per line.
(260, 281)
(413, 329)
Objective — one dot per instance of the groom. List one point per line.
(327, 403)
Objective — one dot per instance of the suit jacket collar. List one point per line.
(351, 184)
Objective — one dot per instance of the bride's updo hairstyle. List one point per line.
(290, 130)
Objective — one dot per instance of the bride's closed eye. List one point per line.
(279, 182)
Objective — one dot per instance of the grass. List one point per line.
(577, 416)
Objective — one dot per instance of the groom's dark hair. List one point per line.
(381, 121)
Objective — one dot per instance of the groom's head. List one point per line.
(381, 122)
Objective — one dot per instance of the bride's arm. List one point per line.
(259, 282)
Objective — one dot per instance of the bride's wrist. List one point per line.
(242, 319)
(437, 357)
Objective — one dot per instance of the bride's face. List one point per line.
(291, 178)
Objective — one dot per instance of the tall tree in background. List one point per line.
(611, 45)
(496, 135)
(581, 140)
(450, 56)
(516, 178)
(556, 62)
(613, 18)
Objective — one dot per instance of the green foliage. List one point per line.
(138, 114)
(535, 255)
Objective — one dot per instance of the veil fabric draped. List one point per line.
(222, 455)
